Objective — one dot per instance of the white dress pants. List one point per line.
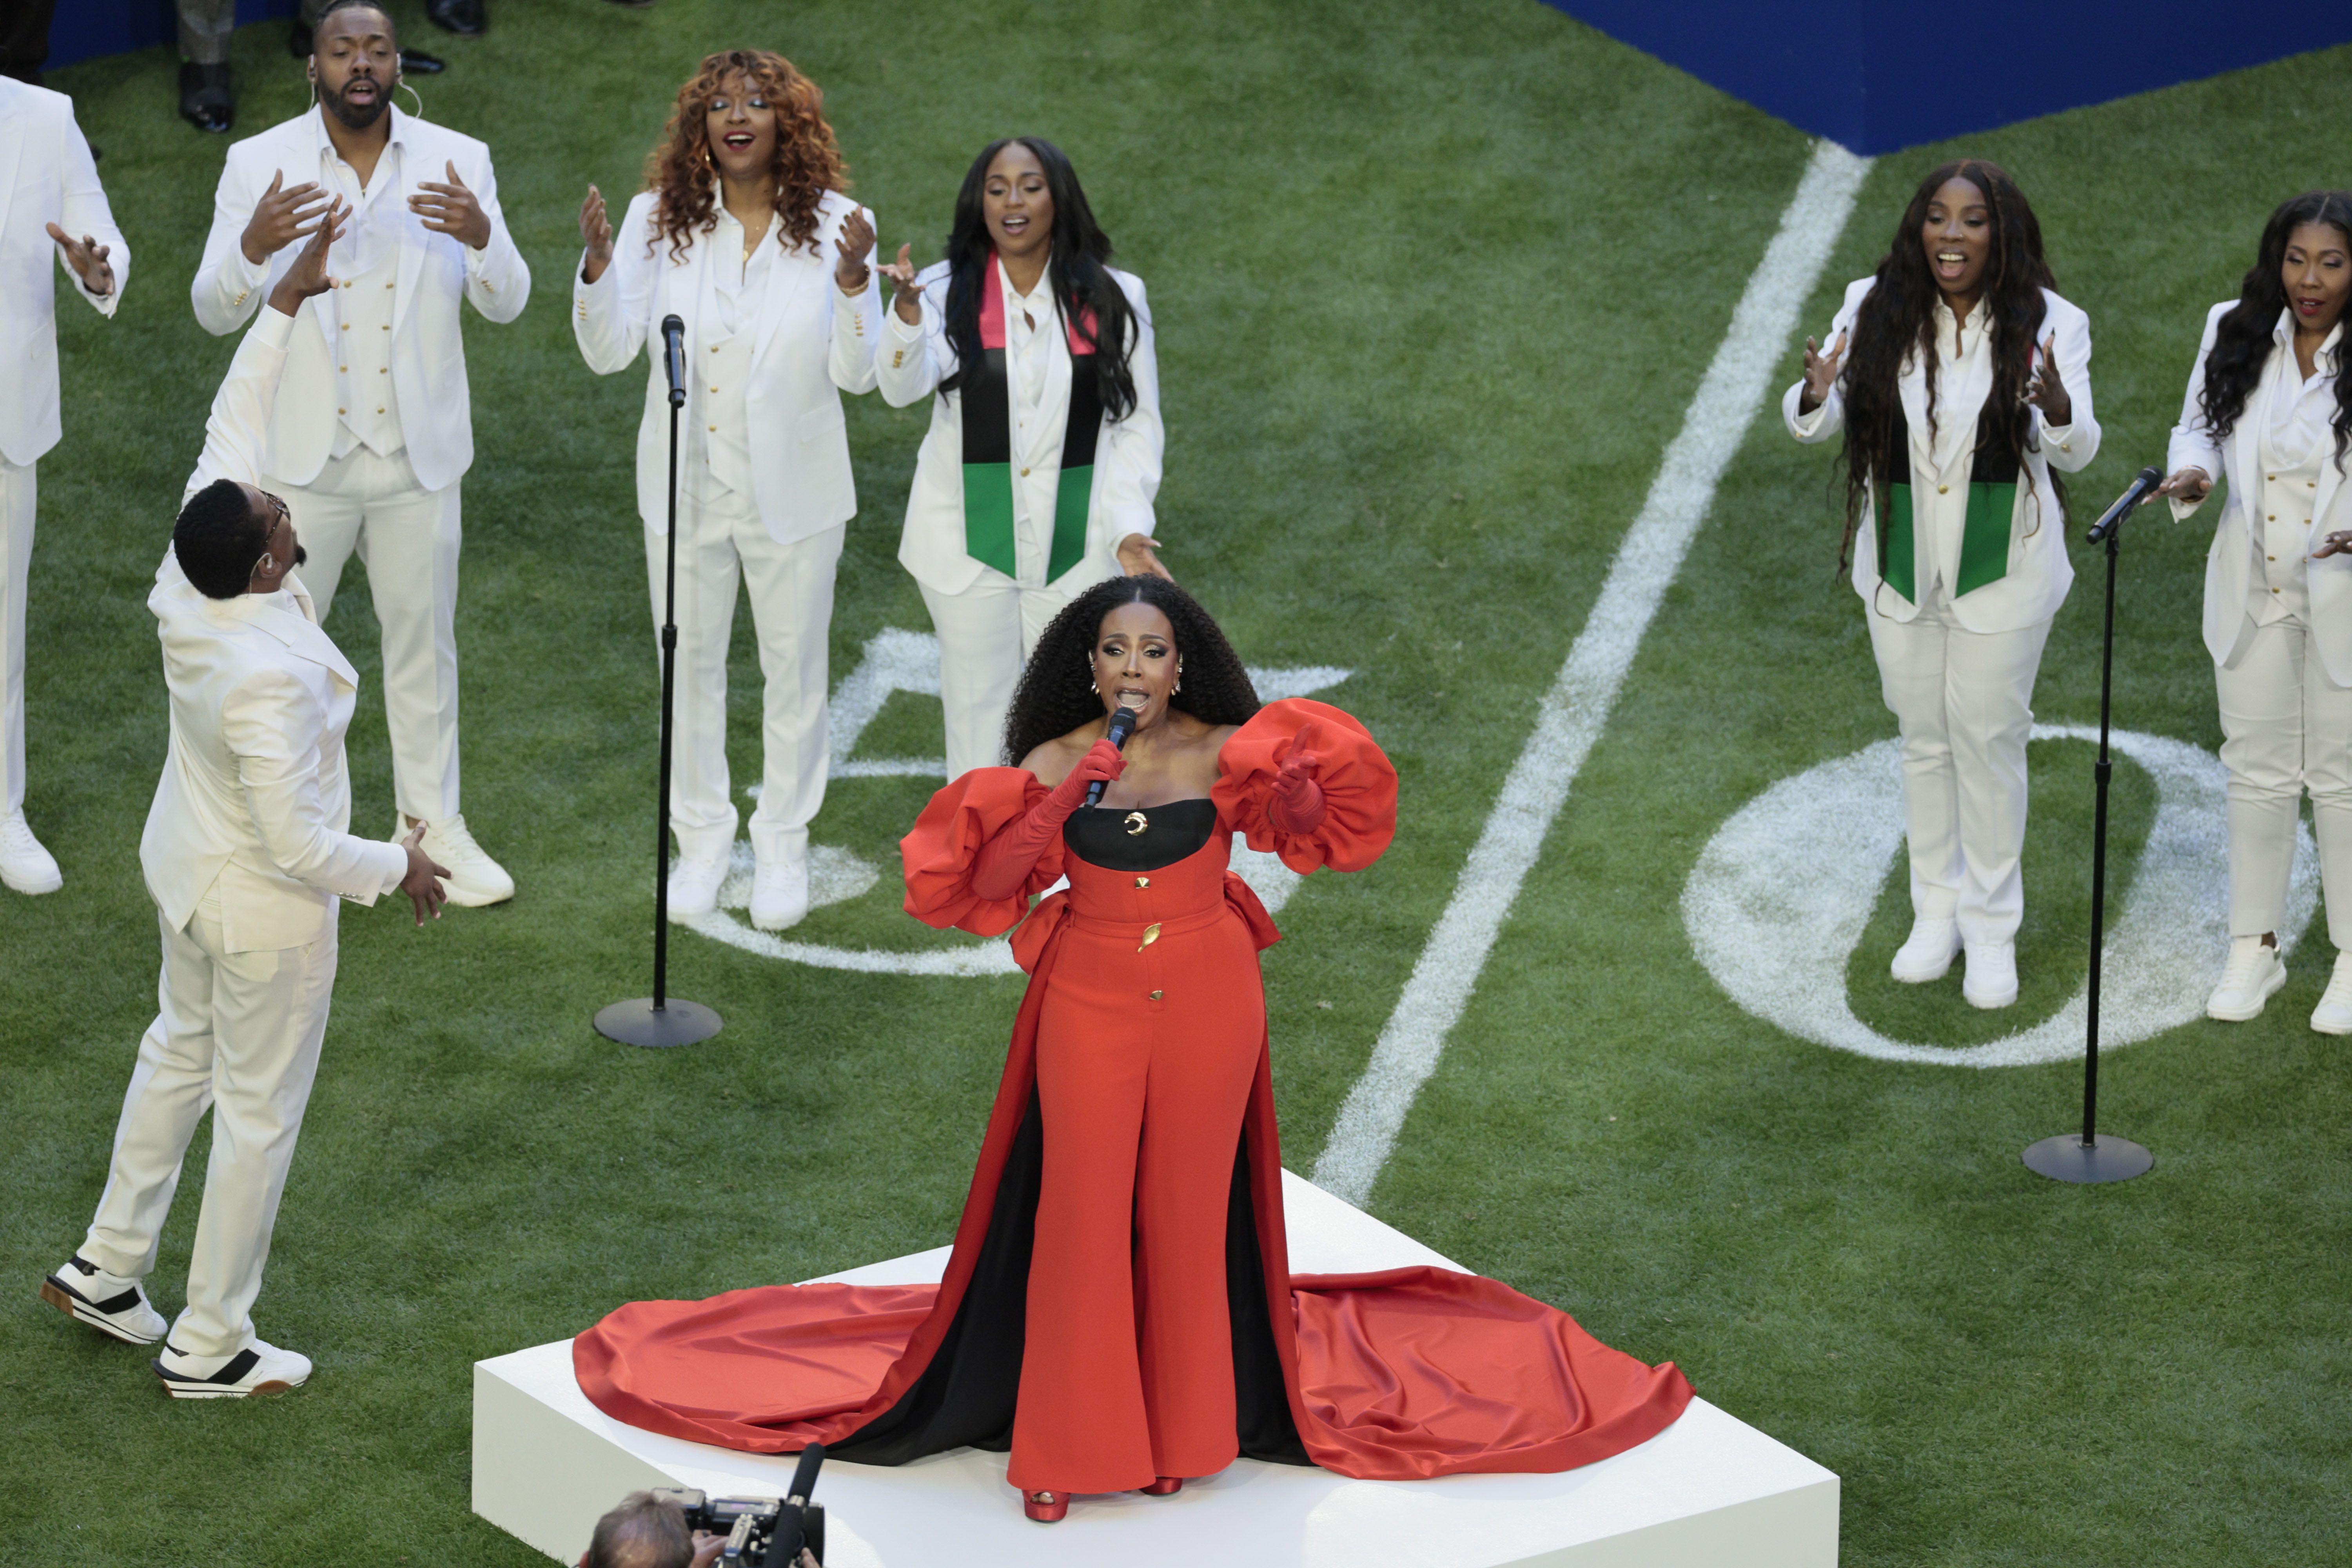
(986, 632)
(2285, 727)
(16, 497)
(238, 1032)
(721, 541)
(1961, 700)
(407, 537)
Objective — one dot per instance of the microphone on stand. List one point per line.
(2149, 477)
(674, 357)
(1122, 725)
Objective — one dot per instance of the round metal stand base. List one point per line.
(640, 1023)
(2066, 1158)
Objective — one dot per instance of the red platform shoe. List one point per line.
(1165, 1486)
(1046, 1507)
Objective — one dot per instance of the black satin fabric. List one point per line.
(1106, 836)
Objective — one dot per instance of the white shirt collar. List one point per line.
(326, 143)
(2330, 348)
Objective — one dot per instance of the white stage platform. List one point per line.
(1709, 1492)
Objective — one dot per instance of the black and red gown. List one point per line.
(1118, 1305)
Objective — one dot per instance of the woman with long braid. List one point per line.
(1960, 380)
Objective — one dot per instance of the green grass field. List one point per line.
(1434, 285)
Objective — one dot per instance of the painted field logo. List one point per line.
(1783, 891)
(898, 660)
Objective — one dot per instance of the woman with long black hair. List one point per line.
(1961, 379)
(1036, 480)
(2268, 411)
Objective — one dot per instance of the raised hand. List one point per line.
(422, 882)
(309, 276)
(2337, 543)
(1302, 759)
(2047, 391)
(451, 209)
(88, 258)
(595, 235)
(850, 271)
(280, 218)
(1297, 804)
(906, 294)
(1820, 373)
(2188, 486)
(1137, 560)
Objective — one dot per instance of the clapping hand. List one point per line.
(2047, 391)
(596, 235)
(309, 276)
(280, 218)
(906, 296)
(850, 271)
(452, 209)
(88, 258)
(423, 883)
(1820, 373)
(2188, 486)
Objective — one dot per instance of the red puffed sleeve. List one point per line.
(1359, 786)
(945, 842)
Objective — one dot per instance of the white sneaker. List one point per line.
(2252, 977)
(780, 890)
(1990, 979)
(23, 864)
(475, 879)
(694, 885)
(111, 1304)
(2334, 1013)
(1928, 953)
(260, 1368)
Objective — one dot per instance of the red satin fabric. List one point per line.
(1406, 1374)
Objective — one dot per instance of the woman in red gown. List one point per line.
(1119, 1309)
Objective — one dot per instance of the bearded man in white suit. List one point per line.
(248, 855)
(376, 430)
(50, 205)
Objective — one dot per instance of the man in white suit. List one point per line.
(50, 203)
(248, 854)
(376, 429)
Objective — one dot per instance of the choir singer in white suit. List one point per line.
(50, 207)
(1037, 477)
(1961, 381)
(2270, 410)
(248, 855)
(745, 236)
(376, 430)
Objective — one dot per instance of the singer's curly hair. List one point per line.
(1057, 693)
(806, 164)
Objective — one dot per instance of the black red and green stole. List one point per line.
(988, 446)
(1984, 537)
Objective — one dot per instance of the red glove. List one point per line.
(1005, 861)
(1298, 806)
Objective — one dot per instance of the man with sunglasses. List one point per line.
(248, 855)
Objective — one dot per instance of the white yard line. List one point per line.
(1577, 707)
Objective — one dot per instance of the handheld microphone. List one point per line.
(2149, 477)
(674, 357)
(1122, 725)
(793, 1520)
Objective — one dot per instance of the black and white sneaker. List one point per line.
(260, 1368)
(113, 1306)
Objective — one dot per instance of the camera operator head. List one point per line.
(648, 1531)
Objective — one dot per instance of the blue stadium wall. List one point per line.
(1874, 76)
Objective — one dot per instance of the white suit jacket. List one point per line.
(255, 802)
(1127, 454)
(810, 347)
(46, 176)
(2039, 572)
(2231, 565)
(436, 271)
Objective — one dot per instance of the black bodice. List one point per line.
(1110, 838)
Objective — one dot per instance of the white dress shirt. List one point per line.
(2295, 439)
(735, 286)
(366, 261)
(1041, 416)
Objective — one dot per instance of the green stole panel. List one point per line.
(988, 446)
(1984, 535)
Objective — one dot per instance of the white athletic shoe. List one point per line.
(694, 882)
(474, 879)
(260, 1368)
(2252, 977)
(780, 890)
(1928, 953)
(113, 1306)
(23, 864)
(1990, 979)
(2334, 1013)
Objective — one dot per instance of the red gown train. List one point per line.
(1118, 1305)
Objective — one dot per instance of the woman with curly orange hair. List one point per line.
(744, 233)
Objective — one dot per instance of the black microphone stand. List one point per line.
(661, 1019)
(2087, 1157)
